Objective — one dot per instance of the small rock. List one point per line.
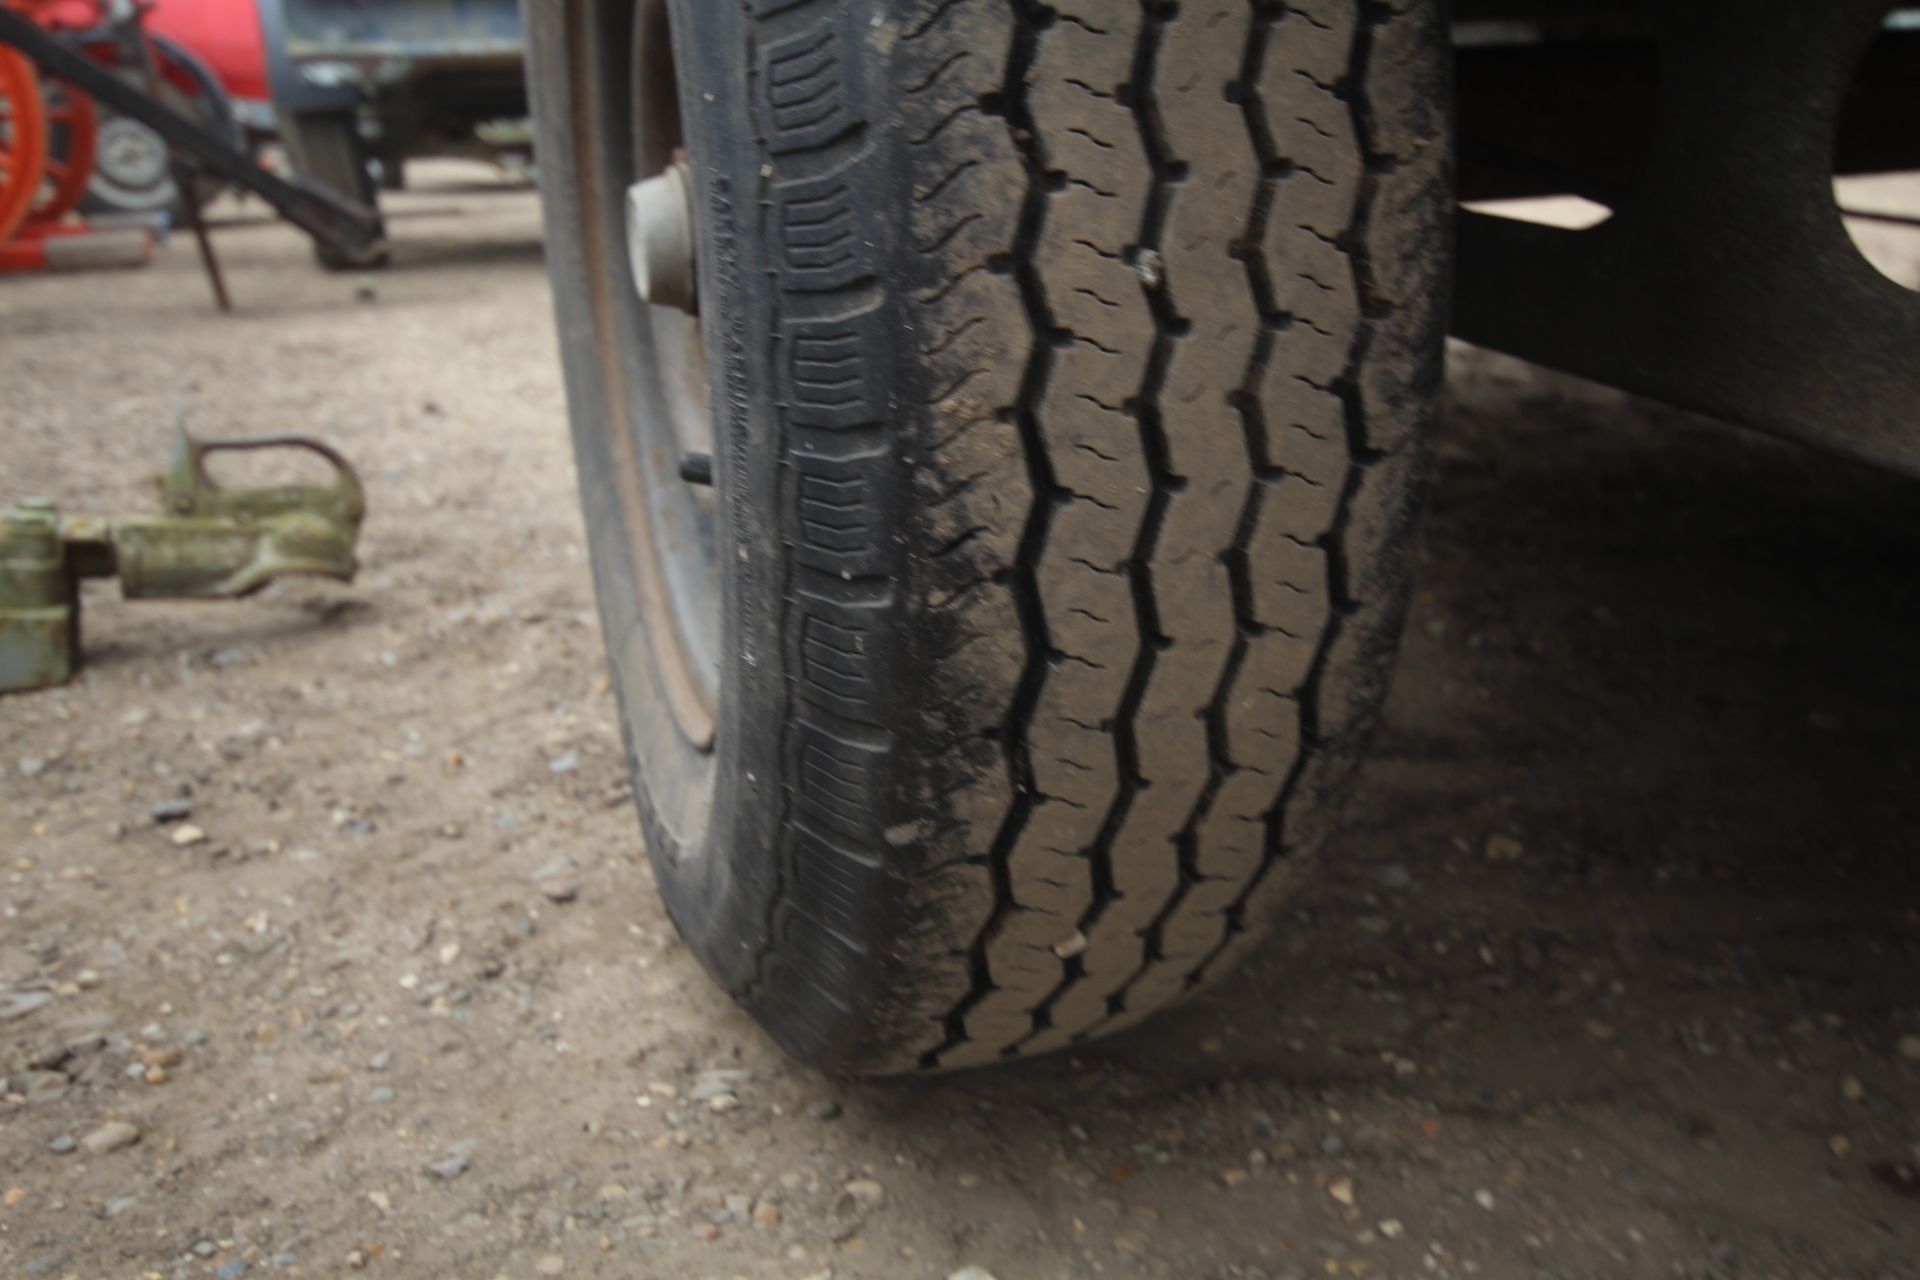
(565, 762)
(1841, 1146)
(1341, 1189)
(706, 1231)
(1908, 1048)
(178, 809)
(109, 1137)
(553, 869)
(1150, 267)
(118, 1205)
(558, 891)
(1391, 1228)
(1853, 1089)
(550, 1264)
(88, 1042)
(32, 766)
(231, 1270)
(187, 834)
(721, 1103)
(1394, 876)
(205, 1248)
(380, 1061)
(356, 1260)
(45, 1087)
(1501, 848)
(1484, 1198)
(865, 1191)
(18, 1004)
(971, 1273)
(62, 1145)
(1071, 945)
(711, 1084)
(823, 1109)
(1233, 1177)
(457, 1160)
(380, 1095)
(766, 1214)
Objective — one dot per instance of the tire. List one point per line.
(326, 147)
(1073, 376)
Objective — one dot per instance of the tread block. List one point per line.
(834, 885)
(1314, 38)
(835, 781)
(833, 661)
(1313, 285)
(830, 369)
(1306, 443)
(1290, 593)
(1263, 714)
(1314, 134)
(826, 235)
(840, 516)
(810, 85)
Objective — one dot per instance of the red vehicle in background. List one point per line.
(225, 35)
(212, 62)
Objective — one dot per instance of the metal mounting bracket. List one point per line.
(212, 542)
(1725, 282)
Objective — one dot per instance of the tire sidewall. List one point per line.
(709, 820)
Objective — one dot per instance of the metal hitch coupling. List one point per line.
(210, 542)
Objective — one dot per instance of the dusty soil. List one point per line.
(1617, 972)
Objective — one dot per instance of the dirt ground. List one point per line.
(1617, 972)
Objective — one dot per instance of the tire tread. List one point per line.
(1134, 527)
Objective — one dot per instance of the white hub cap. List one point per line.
(660, 239)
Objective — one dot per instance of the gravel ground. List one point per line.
(327, 945)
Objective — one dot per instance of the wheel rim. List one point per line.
(71, 137)
(23, 141)
(132, 156)
(658, 421)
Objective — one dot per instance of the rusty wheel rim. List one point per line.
(653, 369)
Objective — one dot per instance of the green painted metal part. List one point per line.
(211, 542)
(39, 612)
(218, 542)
